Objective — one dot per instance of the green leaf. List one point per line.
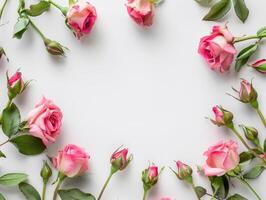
(204, 2)
(2, 197)
(75, 194)
(10, 120)
(244, 55)
(245, 156)
(20, 27)
(38, 9)
(237, 197)
(200, 191)
(220, 186)
(261, 32)
(29, 191)
(12, 179)
(2, 155)
(218, 10)
(28, 144)
(247, 52)
(254, 172)
(241, 9)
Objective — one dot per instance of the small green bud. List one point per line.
(250, 132)
(54, 47)
(46, 172)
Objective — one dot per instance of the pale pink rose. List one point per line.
(221, 158)
(260, 66)
(247, 94)
(71, 161)
(81, 18)
(141, 11)
(45, 120)
(218, 49)
(183, 171)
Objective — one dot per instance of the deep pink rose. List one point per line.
(44, 121)
(71, 161)
(153, 172)
(218, 49)
(260, 66)
(15, 85)
(81, 18)
(221, 158)
(141, 11)
(119, 159)
(16, 78)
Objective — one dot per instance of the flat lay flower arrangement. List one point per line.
(223, 163)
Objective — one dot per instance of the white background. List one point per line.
(146, 88)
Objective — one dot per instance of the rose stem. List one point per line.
(37, 29)
(61, 8)
(241, 39)
(105, 185)
(44, 190)
(242, 180)
(261, 116)
(4, 143)
(59, 182)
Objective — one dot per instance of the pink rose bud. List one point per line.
(247, 94)
(260, 66)
(119, 159)
(221, 158)
(218, 49)
(81, 18)
(45, 120)
(222, 117)
(71, 161)
(141, 11)
(150, 177)
(184, 172)
(15, 85)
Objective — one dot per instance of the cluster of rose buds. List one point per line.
(218, 49)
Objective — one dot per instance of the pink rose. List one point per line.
(247, 94)
(221, 158)
(16, 85)
(218, 49)
(260, 66)
(165, 198)
(141, 11)
(44, 121)
(81, 18)
(71, 161)
(222, 117)
(119, 159)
